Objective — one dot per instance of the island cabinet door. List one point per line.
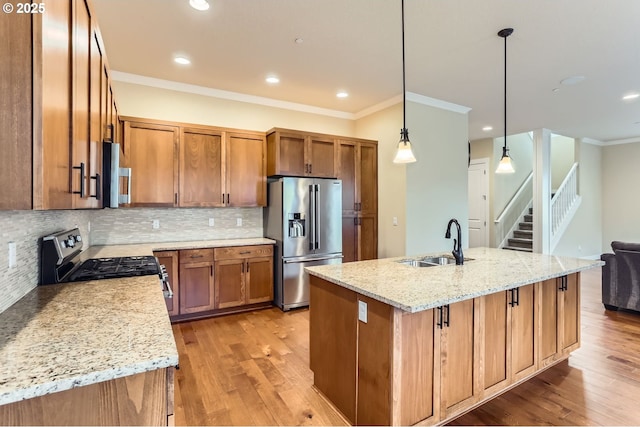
(413, 367)
(458, 351)
(523, 332)
(570, 303)
(506, 338)
(559, 324)
(547, 301)
(494, 317)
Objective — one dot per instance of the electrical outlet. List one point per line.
(239, 222)
(155, 224)
(362, 311)
(211, 222)
(13, 255)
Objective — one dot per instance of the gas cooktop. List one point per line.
(110, 268)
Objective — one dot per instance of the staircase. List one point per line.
(522, 239)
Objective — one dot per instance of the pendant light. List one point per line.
(505, 165)
(404, 153)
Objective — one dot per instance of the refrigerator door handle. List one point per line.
(298, 261)
(316, 216)
(312, 219)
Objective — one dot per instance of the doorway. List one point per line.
(478, 193)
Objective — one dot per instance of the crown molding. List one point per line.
(621, 141)
(438, 103)
(223, 94)
(276, 103)
(592, 141)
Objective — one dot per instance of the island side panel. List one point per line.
(374, 364)
(139, 399)
(333, 317)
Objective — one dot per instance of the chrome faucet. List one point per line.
(457, 244)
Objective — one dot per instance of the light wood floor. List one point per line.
(252, 369)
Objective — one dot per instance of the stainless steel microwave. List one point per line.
(115, 177)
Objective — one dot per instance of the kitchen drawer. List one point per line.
(240, 252)
(196, 255)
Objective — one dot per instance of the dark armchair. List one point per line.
(621, 277)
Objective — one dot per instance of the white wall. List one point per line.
(437, 182)
(163, 104)
(620, 201)
(562, 158)
(384, 126)
(583, 237)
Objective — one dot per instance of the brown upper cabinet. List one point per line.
(177, 164)
(51, 115)
(152, 154)
(358, 170)
(297, 153)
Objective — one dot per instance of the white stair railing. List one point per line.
(563, 202)
(508, 220)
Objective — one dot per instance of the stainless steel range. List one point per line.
(62, 262)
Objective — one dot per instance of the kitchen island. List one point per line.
(396, 344)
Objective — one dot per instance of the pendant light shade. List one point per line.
(505, 165)
(404, 153)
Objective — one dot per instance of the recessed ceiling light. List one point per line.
(299, 40)
(342, 94)
(573, 80)
(555, 90)
(272, 80)
(487, 128)
(630, 96)
(182, 60)
(199, 4)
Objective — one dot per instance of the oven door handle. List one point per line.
(164, 282)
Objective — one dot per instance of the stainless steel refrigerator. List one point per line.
(304, 217)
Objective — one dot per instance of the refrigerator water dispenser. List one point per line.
(296, 225)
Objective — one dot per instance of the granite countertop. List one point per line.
(62, 336)
(148, 248)
(414, 289)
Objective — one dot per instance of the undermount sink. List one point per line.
(430, 261)
(439, 260)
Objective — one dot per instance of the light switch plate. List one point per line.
(362, 311)
(395, 220)
(12, 255)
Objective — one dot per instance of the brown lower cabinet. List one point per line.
(243, 275)
(401, 368)
(196, 281)
(140, 399)
(207, 282)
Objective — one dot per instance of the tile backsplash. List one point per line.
(110, 227)
(120, 226)
(25, 228)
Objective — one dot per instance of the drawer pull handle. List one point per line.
(196, 256)
(245, 252)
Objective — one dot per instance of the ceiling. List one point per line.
(452, 53)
